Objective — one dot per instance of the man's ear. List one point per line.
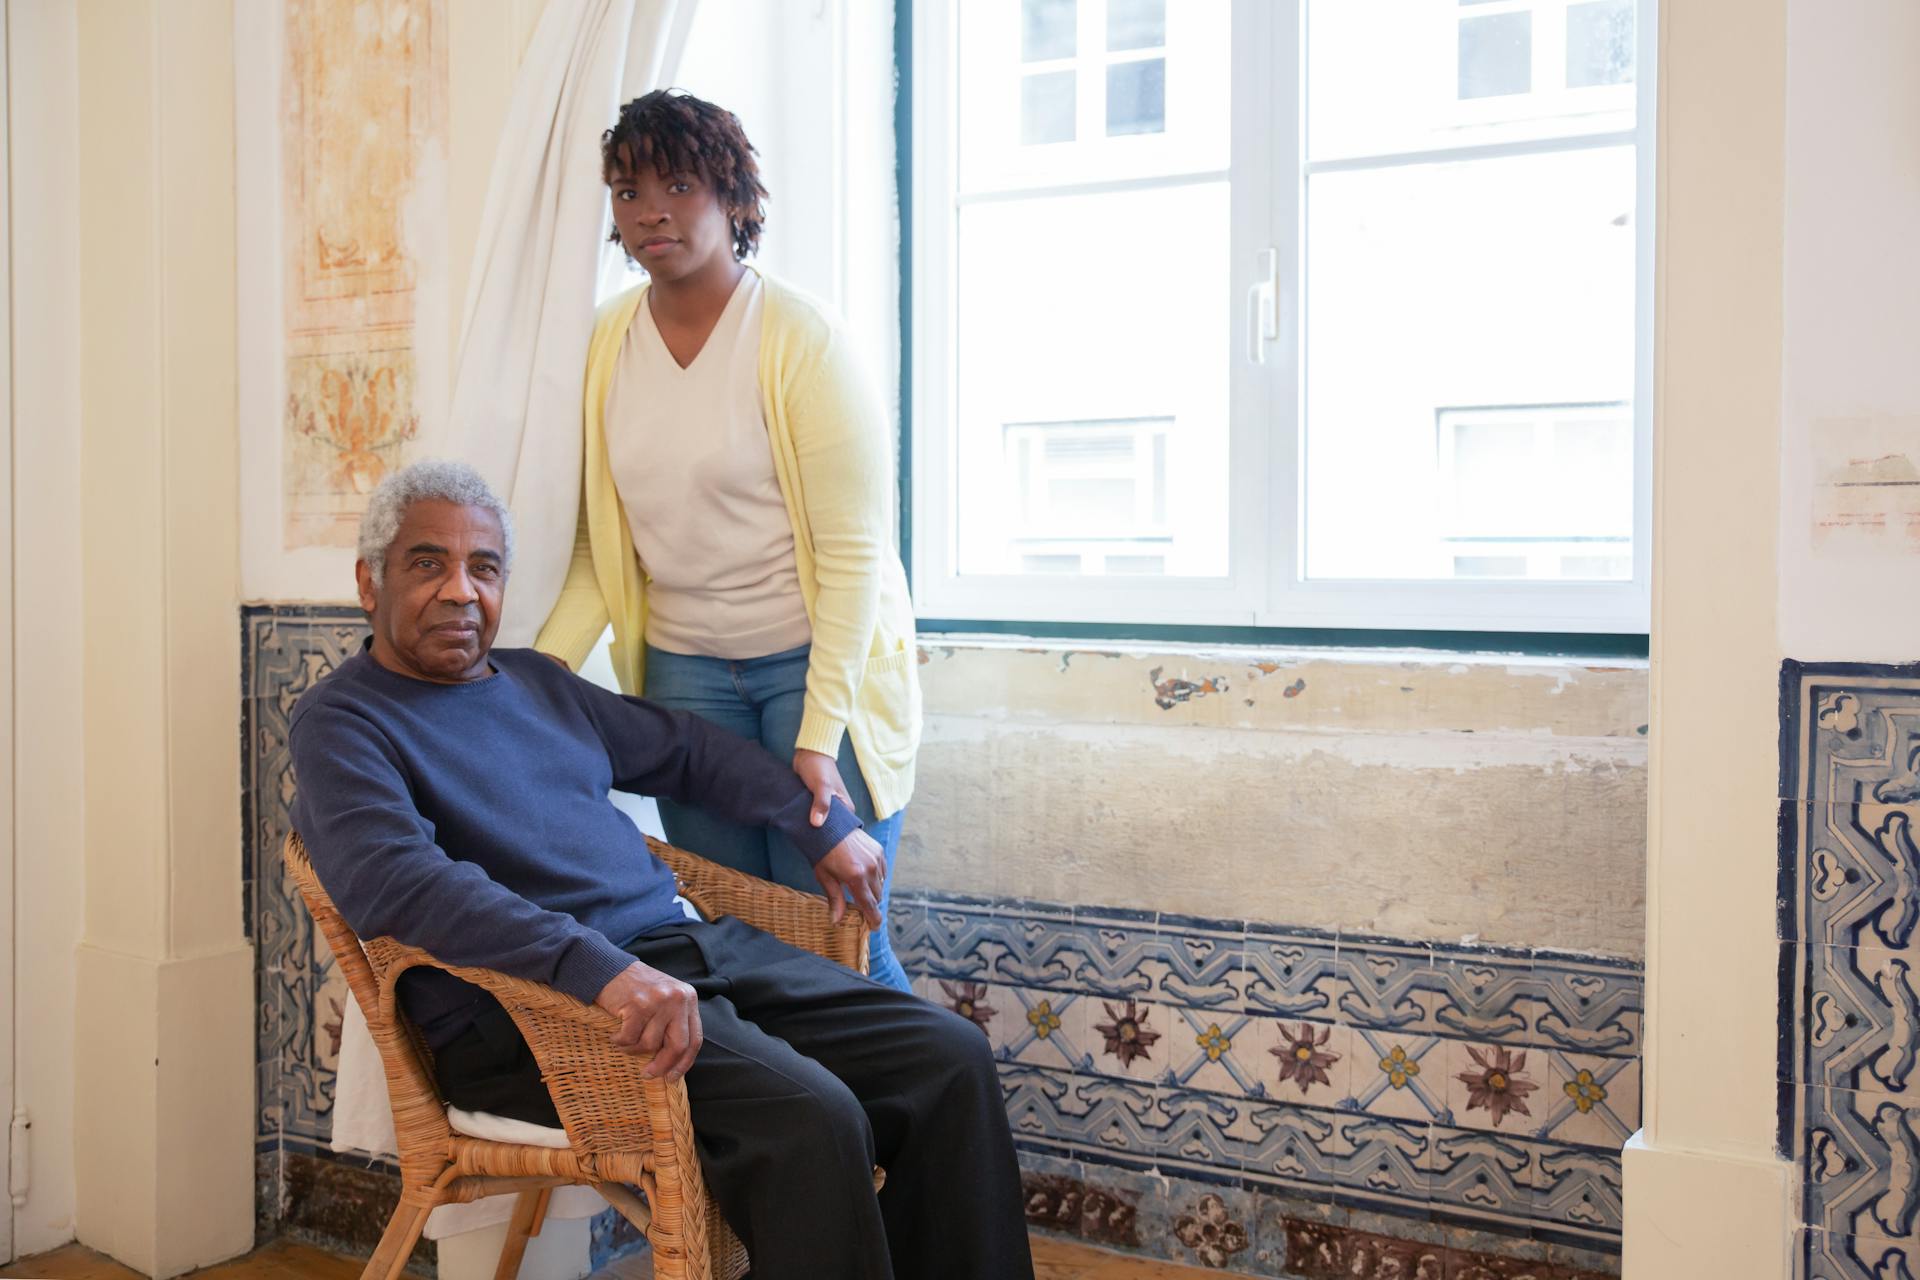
(363, 578)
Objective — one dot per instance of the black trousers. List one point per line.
(810, 1075)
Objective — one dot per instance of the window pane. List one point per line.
(1046, 29)
(1091, 415)
(1496, 55)
(1136, 24)
(1159, 114)
(1599, 43)
(1388, 76)
(1046, 108)
(1137, 97)
(1470, 373)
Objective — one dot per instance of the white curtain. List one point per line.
(523, 351)
(516, 397)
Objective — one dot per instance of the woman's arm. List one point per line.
(845, 458)
(580, 615)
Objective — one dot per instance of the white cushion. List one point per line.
(491, 1128)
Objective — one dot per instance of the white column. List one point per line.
(164, 1038)
(1705, 1193)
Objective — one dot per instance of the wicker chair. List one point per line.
(624, 1129)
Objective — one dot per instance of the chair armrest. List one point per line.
(607, 1104)
(797, 919)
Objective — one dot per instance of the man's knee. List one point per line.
(954, 1042)
(826, 1116)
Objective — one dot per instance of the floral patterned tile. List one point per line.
(1823, 1255)
(1578, 1190)
(1204, 961)
(1863, 1019)
(1207, 1226)
(1294, 973)
(1591, 1006)
(1130, 1038)
(1295, 1147)
(1386, 984)
(1495, 1087)
(1039, 1028)
(1382, 1158)
(1484, 1174)
(1861, 1164)
(1036, 945)
(1495, 995)
(1398, 1075)
(1120, 953)
(1212, 1051)
(1300, 1061)
(963, 939)
(1590, 1100)
(1205, 1129)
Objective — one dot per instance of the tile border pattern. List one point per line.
(1849, 932)
(1488, 1088)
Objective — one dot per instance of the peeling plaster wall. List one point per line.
(1416, 795)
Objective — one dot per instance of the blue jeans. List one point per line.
(761, 700)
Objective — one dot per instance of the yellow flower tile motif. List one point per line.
(1043, 1019)
(1585, 1091)
(1214, 1041)
(1399, 1067)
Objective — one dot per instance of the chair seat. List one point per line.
(493, 1128)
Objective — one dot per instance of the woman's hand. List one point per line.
(822, 776)
(855, 866)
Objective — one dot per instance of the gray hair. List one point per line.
(429, 480)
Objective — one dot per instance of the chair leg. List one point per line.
(525, 1210)
(396, 1242)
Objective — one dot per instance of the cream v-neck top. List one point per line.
(690, 456)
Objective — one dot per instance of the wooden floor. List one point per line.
(1053, 1260)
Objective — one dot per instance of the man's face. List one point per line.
(435, 615)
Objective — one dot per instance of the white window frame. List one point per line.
(1265, 584)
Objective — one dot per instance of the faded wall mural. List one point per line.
(364, 99)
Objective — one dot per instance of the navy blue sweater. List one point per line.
(472, 819)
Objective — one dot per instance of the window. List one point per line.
(1282, 312)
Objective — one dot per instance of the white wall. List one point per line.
(1850, 367)
(42, 71)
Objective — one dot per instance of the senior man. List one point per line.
(454, 796)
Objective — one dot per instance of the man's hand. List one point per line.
(857, 866)
(822, 776)
(658, 1015)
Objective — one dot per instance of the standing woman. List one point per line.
(737, 522)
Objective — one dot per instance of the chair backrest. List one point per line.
(419, 1115)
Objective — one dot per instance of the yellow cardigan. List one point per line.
(833, 455)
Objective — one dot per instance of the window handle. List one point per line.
(1263, 307)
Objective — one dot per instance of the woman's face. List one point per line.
(672, 225)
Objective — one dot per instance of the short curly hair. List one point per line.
(428, 480)
(679, 133)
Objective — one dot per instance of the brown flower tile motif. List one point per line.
(1127, 1034)
(1068, 1205)
(968, 999)
(1303, 1059)
(1324, 1251)
(1321, 1251)
(1107, 1219)
(1496, 1084)
(1211, 1232)
(1052, 1201)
